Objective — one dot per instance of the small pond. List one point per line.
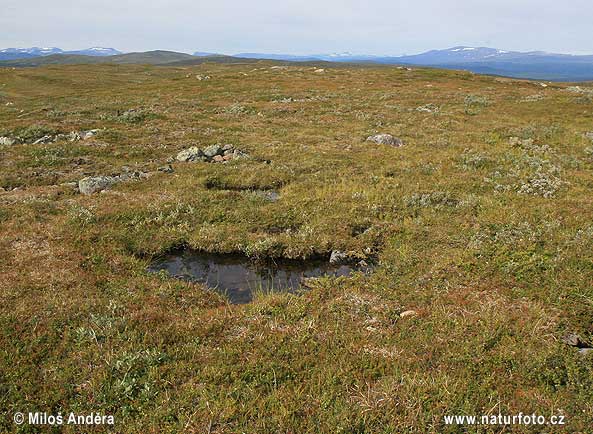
(238, 277)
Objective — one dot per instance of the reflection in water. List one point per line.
(238, 278)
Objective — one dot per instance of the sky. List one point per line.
(380, 27)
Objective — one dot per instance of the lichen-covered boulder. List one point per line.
(213, 150)
(191, 154)
(385, 139)
(93, 184)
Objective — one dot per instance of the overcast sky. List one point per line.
(390, 27)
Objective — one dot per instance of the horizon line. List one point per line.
(277, 53)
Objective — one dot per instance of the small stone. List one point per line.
(319, 71)
(428, 108)
(228, 157)
(337, 257)
(239, 154)
(213, 150)
(167, 169)
(44, 140)
(385, 139)
(88, 134)
(585, 351)
(74, 137)
(130, 175)
(191, 154)
(228, 147)
(408, 313)
(218, 159)
(572, 339)
(589, 135)
(7, 141)
(94, 184)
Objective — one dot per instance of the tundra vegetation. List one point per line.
(480, 226)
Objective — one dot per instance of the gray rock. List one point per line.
(227, 148)
(191, 154)
(337, 257)
(167, 169)
(74, 136)
(7, 141)
(88, 134)
(237, 154)
(586, 351)
(92, 184)
(428, 108)
(131, 176)
(572, 339)
(213, 150)
(385, 139)
(589, 135)
(44, 139)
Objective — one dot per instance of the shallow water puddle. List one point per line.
(239, 278)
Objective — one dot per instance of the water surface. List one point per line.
(239, 278)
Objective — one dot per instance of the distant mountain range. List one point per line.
(534, 65)
(156, 57)
(27, 53)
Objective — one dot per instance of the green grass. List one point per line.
(489, 240)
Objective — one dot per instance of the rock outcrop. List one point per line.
(93, 184)
(213, 154)
(385, 139)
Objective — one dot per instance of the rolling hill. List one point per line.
(535, 65)
(157, 57)
(28, 53)
(531, 65)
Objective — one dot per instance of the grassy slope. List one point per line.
(496, 275)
